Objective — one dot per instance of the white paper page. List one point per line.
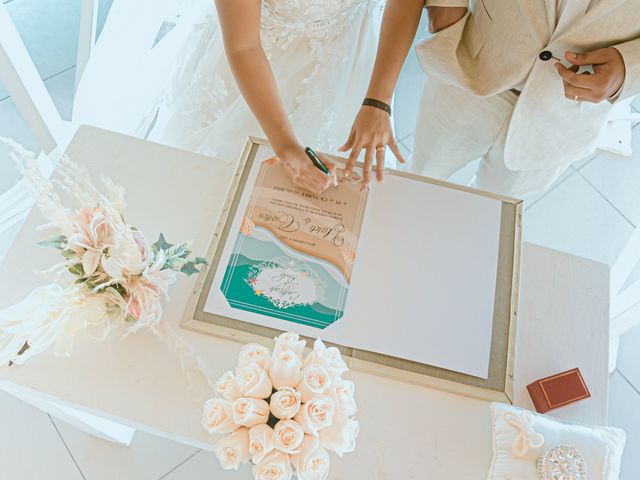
(423, 286)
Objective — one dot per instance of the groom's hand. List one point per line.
(371, 132)
(443, 17)
(605, 81)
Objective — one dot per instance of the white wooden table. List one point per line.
(117, 386)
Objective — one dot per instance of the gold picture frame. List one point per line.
(499, 384)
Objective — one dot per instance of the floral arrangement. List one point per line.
(282, 411)
(109, 274)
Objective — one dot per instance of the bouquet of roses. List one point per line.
(282, 411)
(108, 275)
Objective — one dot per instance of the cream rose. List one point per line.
(287, 436)
(312, 463)
(253, 381)
(260, 442)
(216, 416)
(254, 353)
(289, 341)
(232, 450)
(314, 383)
(275, 466)
(329, 358)
(250, 411)
(227, 387)
(343, 396)
(316, 414)
(286, 370)
(341, 436)
(285, 403)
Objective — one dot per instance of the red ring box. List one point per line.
(558, 390)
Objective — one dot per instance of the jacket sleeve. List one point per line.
(446, 3)
(630, 52)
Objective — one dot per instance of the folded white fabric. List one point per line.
(521, 438)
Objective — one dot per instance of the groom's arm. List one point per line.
(444, 13)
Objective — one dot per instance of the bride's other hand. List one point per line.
(304, 173)
(371, 132)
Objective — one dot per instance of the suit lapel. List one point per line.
(540, 15)
(601, 8)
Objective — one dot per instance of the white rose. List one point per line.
(312, 463)
(260, 442)
(287, 436)
(316, 414)
(253, 381)
(289, 341)
(285, 403)
(330, 358)
(286, 370)
(314, 383)
(216, 416)
(343, 395)
(250, 411)
(254, 353)
(275, 466)
(227, 387)
(232, 450)
(341, 436)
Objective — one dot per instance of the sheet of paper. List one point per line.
(423, 283)
(294, 252)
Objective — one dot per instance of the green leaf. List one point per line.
(180, 250)
(161, 244)
(189, 269)
(69, 254)
(76, 269)
(201, 261)
(55, 242)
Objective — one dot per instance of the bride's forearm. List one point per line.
(255, 79)
(399, 26)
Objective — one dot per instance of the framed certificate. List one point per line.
(415, 279)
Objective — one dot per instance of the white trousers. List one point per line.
(455, 128)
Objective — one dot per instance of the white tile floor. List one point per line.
(590, 211)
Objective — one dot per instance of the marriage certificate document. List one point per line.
(407, 269)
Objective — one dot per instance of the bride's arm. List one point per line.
(372, 126)
(240, 22)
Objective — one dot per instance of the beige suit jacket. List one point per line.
(499, 43)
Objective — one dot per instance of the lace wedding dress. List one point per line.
(159, 71)
(321, 53)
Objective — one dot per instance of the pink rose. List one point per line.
(286, 369)
(287, 436)
(275, 466)
(341, 436)
(232, 450)
(227, 387)
(312, 462)
(255, 353)
(316, 414)
(249, 411)
(253, 381)
(216, 416)
(285, 403)
(314, 383)
(260, 442)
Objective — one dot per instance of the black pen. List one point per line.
(316, 160)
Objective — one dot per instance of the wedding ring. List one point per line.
(380, 148)
(575, 98)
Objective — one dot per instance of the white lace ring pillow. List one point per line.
(521, 437)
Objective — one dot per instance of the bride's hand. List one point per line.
(304, 173)
(372, 132)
